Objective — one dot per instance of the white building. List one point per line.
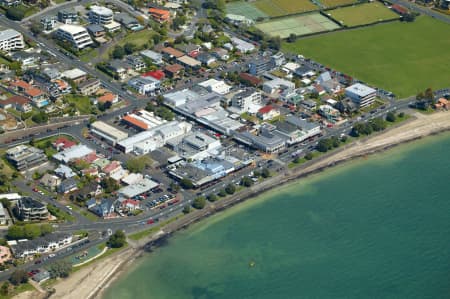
(277, 84)
(100, 15)
(11, 40)
(246, 99)
(109, 133)
(72, 153)
(217, 86)
(76, 35)
(361, 94)
(144, 85)
(242, 46)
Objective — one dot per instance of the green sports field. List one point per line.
(404, 58)
(362, 14)
(334, 3)
(276, 8)
(245, 9)
(298, 25)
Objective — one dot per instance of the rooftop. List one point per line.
(8, 34)
(360, 89)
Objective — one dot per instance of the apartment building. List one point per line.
(76, 35)
(11, 40)
(31, 210)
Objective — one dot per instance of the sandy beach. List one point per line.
(89, 281)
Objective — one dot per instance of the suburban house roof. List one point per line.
(172, 52)
(33, 92)
(63, 142)
(107, 97)
(174, 68)
(15, 100)
(158, 74)
(266, 109)
(22, 84)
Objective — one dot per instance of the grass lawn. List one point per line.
(362, 14)
(89, 54)
(399, 57)
(138, 38)
(17, 290)
(82, 103)
(334, 3)
(275, 8)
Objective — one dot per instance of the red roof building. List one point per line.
(174, 70)
(250, 80)
(63, 143)
(21, 85)
(159, 15)
(158, 74)
(108, 97)
(111, 167)
(399, 9)
(135, 122)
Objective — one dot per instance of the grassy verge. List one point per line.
(82, 103)
(89, 215)
(109, 252)
(17, 290)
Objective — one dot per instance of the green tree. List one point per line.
(4, 289)
(378, 124)
(390, 117)
(19, 276)
(118, 52)
(138, 164)
(212, 197)
(230, 189)
(61, 268)
(117, 240)
(15, 13)
(186, 209)
(246, 181)
(129, 48)
(40, 117)
(15, 232)
(174, 187)
(109, 185)
(309, 156)
(36, 28)
(199, 202)
(186, 183)
(401, 114)
(265, 173)
(222, 193)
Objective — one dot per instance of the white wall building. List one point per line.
(107, 132)
(76, 35)
(144, 85)
(245, 99)
(217, 86)
(100, 15)
(11, 40)
(361, 94)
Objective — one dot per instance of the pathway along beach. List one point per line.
(96, 277)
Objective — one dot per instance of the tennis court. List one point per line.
(334, 3)
(245, 9)
(298, 25)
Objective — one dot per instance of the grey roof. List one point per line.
(68, 184)
(286, 127)
(35, 243)
(125, 19)
(30, 203)
(95, 28)
(8, 33)
(301, 123)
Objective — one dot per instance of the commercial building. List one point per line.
(277, 85)
(142, 120)
(48, 243)
(100, 15)
(194, 146)
(107, 132)
(23, 157)
(76, 75)
(260, 65)
(72, 153)
(155, 57)
(247, 100)
(143, 186)
(216, 86)
(75, 35)
(11, 40)
(361, 94)
(144, 85)
(266, 140)
(31, 210)
(242, 46)
(268, 112)
(189, 62)
(48, 23)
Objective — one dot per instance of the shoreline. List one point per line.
(101, 274)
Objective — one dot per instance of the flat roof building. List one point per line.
(72, 153)
(217, 86)
(361, 94)
(100, 15)
(142, 186)
(11, 40)
(23, 157)
(31, 210)
(76, 35)
(108, 132)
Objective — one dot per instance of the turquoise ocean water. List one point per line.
(375, 228)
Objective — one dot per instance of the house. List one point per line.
(174, 71)
(136, 62)
(10, 3)
(104, 209)
(242, 46)
(96, 30)
(127, 21)
(19, 103)
(278, 59)
(144, 85)
(108, 98)
(64, 172)
(30, 209)
(277, 85)
(128, 205)
(68, 185)
(268, 112)
(89, 86)
(50, 181)
(112, 168)
(189, 62)
(67, 16)
(159, 15)
(309, 104)
(157, 74)
(37, 97)
(155, 57)
(217, 86)
(62, 143)
(304, 71)
(119, 68)
(88, 191)
(331, 85)
(442, 103)
(91, 203)
(27, 59)
(250, 80)
(171, 53)
(221, 54)
(76, 75)
(206, 59)
(48, 23)
(329, 113)
(20, 85)
(260, 65)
